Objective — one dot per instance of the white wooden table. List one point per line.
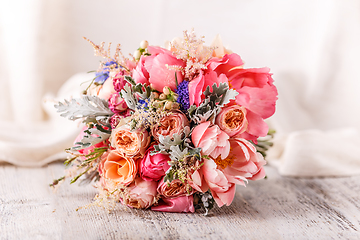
(275, 208)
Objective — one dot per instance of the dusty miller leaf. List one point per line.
(212, 104)
(176, 154)
(128, 96)
(91, 137)
(88, 107)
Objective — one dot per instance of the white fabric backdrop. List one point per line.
(312, 47)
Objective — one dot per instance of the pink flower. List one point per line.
(141, 194)
(116, 118)
(107, 89)
(199, 84)
(116, 103)
(243, 162)
(87, 150)
(155, 69)
(153, 167)
(222, 190)
(131, 143)
(117, 168)
(197, 181)
(232, 120)
(179, 204)
(211, 140)
(225, 64)
(170, 124)
(258, 95)
(140, 74)
(174, 189)
(119, 82)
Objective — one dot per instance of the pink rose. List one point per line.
(180, 204)
(170, 124)
(131, 143)
(222, 190)
(243, 162)
(155, 69)
(153, 167)
(119, 82)
(141, 194)
(116, 103)
(232, 120)
(258, 95)
(116, 118)
(117, 168)
(174, 189)
(211, 140)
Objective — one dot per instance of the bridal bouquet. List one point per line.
(171, 129)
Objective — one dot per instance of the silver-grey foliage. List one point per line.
(84, 107)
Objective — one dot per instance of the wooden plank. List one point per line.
(275, 208)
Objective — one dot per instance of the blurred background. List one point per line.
(312, 48)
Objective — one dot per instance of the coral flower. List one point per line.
(232, 120)
(130, 143)
(243, 162)
(222, 190)
(258, 95)
(211, 140)
(117, 168)
(141, 194)
(156, 69)
(170, 124)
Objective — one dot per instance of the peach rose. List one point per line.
(129, 143)
(171, 190)
(232, 120)
(117, 168)
(168, 125)
(243, 162)
(211, 140)
(141, 194)
(103, 91)
(107, 89)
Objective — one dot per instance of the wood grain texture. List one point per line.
(275, 208)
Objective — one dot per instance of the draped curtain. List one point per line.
(312, 47)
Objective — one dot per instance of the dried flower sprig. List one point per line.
(193, 52)
(118, 56)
